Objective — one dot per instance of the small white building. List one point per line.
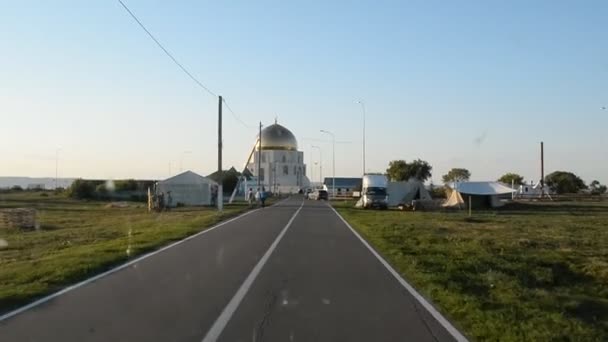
(187, 188)
(532, 190)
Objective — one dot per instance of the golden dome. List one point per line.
(277, 137)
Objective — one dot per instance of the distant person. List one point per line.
(169, 200)
(263, 197)
(161, 201)
(258, 196)
(250, 197)
(213, 195)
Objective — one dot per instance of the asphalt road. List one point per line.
(291, 272)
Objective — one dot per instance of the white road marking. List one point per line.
(120, 267)
(428, 306)
(220, 323)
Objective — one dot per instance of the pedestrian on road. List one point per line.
(258, 197)
(250, 197)
(263, 197)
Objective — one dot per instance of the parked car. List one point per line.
(319, 194)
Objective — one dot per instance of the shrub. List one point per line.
(82, 189)
(125, 185)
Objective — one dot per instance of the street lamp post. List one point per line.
(363, 109)
(333, 166)
(320, 164)
(57, 167)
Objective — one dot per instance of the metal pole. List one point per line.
(320, 167)
(220, 190)
(542, 169)
(312, 173)
(56, 168)
(320, 164)
(333, 167)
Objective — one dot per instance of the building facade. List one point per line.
(279, 164)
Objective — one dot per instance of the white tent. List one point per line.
(407, 191)
(454, 201)
(481, 194)
(188, 188)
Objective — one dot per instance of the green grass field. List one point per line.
(533, 272)
(78, 239)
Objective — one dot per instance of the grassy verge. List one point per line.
(78, 239)
(536, 272)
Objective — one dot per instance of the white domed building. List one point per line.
(282, 165)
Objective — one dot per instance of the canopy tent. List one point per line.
(406, 191)
(187, 188)
(480, 194)
(454, 201)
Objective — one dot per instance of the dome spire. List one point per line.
(275, 119)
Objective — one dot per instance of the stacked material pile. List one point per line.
(24, 218)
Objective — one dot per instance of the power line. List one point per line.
(326, 141)
(167, 52)
(236, 117)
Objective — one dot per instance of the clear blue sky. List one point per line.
(474, 84)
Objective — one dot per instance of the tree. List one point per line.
(400, 170)
(597, 188)
(396, 170)
(16, 188)
(563, 182)
(125, 185)
(81, 188)
(456, 175)
(511, 178)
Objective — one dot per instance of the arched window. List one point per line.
(285, 169)
(284, 159)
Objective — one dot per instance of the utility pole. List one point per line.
(260, 158)
(220, 190)
(56, 168)
(542, 169)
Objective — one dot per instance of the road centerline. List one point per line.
(220, 323)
